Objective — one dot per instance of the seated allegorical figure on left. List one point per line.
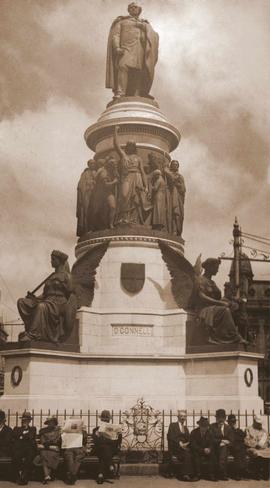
(50, 316)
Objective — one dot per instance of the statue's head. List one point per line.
(131, 147)
(134, 9)
(91, 164)
(156, 173)
(111, 163)
(58, 258)
(211, 265)
(174, 166)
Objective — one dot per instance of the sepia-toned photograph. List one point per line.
(135, 243)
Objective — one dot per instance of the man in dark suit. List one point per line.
(5, 436)
(238, 449)
(222, 438)
(107, 444)
(202, 449)
(24, 449)
(178, 444)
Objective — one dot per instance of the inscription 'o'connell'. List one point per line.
(123, 330)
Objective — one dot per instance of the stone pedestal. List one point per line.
(132, 343)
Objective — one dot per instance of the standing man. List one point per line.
(24, 449)
(178, 444)
(202, 449)
(222, 439)
(132, 54)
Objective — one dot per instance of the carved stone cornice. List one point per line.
(137, 117)
(133, 234)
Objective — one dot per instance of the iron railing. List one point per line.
(143, 427)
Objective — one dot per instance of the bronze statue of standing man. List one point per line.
(132, 55)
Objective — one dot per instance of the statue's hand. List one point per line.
(119, 51)
(30, 295)
(141, 25)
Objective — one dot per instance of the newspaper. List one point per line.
(110, 431)
(70, 441)
(73, 426)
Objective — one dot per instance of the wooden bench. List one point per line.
(90, 459)
(174, 461)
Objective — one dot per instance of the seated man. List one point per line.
(5, 436)
(178, 444)
(256, 441)
(24, 449)
(222, 438)
(74, 439)
(238, 449)
(201, 443)
(107, 439)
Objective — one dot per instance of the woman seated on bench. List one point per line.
(107, 438)
(50, 439)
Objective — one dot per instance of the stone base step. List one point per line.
(139, 469)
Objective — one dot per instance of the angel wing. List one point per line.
(84, 271)
(198, 269)
(183, 277)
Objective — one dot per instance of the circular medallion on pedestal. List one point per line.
(248, 377)
(16, 375)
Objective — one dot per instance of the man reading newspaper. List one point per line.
(74, 438)
(107, 439)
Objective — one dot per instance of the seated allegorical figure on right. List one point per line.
(213, 311)
(199, 294)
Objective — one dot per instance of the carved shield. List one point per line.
(132, 276)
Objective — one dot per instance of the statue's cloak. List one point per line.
(150, 56)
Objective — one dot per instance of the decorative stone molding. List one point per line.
(138, 117)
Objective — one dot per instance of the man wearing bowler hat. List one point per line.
(24, 449)
(222, 438)
(202, 449)
(238, 449)
(5, 436)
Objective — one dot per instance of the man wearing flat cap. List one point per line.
(222, 439)
(107, 438)
(202, 449)
(24, 449)
(238, 448)
(178, 445)
(5, 436)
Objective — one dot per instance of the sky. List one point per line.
(212, 82)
